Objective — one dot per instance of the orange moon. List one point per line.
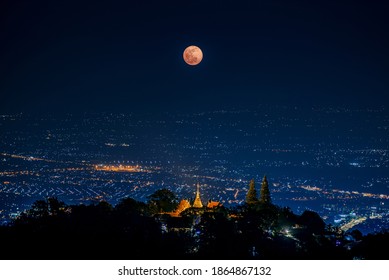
(193, 55)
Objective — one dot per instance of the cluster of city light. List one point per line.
(344, 192)
(32, 158)
(372, 195)
(353, 223)
(120, 168)
(114, 145)
(310, 188)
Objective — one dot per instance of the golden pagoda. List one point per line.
(197, 202)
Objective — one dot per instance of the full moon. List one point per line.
(193, 55)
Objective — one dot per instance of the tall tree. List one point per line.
(163, 200)
(129, 206)
(265, 193)
(312, 221)
(251, 196)
(39, 209)
(55, 206)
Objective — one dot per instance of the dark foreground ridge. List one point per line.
(163, 228)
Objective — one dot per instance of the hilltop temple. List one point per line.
(197, 203)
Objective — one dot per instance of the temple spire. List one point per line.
(197, 202)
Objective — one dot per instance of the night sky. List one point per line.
(123, 56)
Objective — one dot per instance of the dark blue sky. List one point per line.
(67, 56)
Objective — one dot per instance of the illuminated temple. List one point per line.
(197, 204)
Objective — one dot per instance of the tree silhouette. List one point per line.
(163, 200)
(356, 234)
(129, 206)
(265, 193)
(39, 209)
(55, 207)
(313, 222)
(251, 196)
(373, 246)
